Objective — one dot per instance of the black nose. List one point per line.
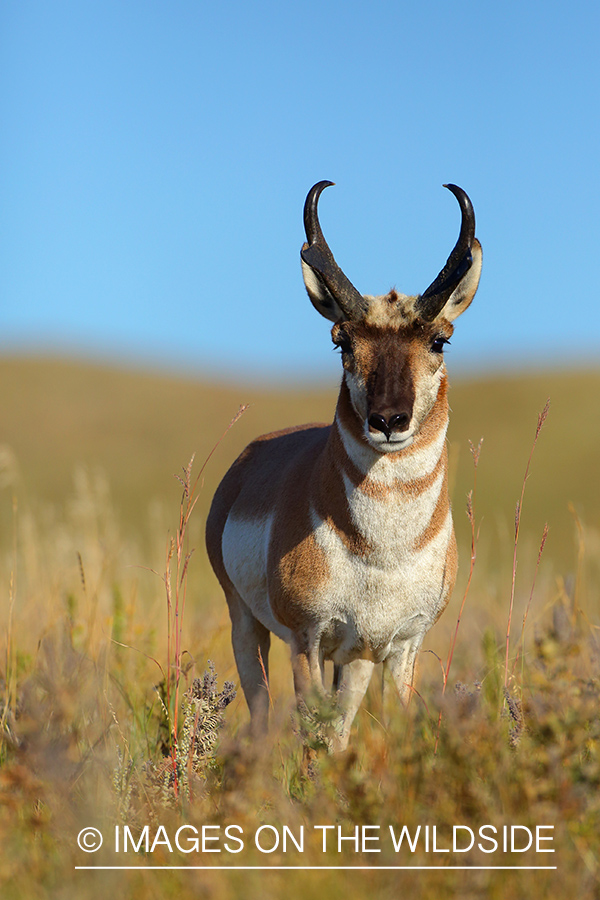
(395, 422)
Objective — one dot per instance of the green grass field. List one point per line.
(89, 693)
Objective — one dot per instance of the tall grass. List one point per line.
(475, 452)
(110, 717)
(541, 419)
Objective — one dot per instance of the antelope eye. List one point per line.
(437, 345)
(342, 342)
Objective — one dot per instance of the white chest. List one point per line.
(388, 595)
(395, 587)
(383, 588)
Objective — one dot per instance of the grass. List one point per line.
(112, 717)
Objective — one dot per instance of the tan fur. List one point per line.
(339, 538)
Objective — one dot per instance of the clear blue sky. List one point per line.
(155, 156)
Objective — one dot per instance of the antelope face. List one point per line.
(393, 371)
(391, 346)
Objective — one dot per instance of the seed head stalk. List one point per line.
(541, 419)
(537, 568)
(475, 451)
(176, 593)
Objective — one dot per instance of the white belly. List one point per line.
(245, 548)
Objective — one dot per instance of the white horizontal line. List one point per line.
(320, 868)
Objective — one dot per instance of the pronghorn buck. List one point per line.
(339, 538)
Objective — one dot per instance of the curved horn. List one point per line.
(431, 303)
(319, 257)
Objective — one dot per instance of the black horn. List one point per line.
(430, 304)
(319, 257)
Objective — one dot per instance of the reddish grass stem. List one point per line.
(475, 451)
(10, 682)
(541, 419)
(537, 567)
(176, 593)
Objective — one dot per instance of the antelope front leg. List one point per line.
(307, 668)
(401, 664)
(352, 688)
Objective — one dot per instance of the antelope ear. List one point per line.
(321, 298)
(464, 292)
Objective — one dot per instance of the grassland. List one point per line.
(88, 507)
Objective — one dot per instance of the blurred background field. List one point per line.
(88, 504)
(133, 430)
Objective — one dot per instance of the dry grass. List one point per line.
(106, 721)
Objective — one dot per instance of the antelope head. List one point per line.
(392, 345)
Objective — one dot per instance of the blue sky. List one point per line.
(154, 159)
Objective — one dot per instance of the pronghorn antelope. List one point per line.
(339, 539)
